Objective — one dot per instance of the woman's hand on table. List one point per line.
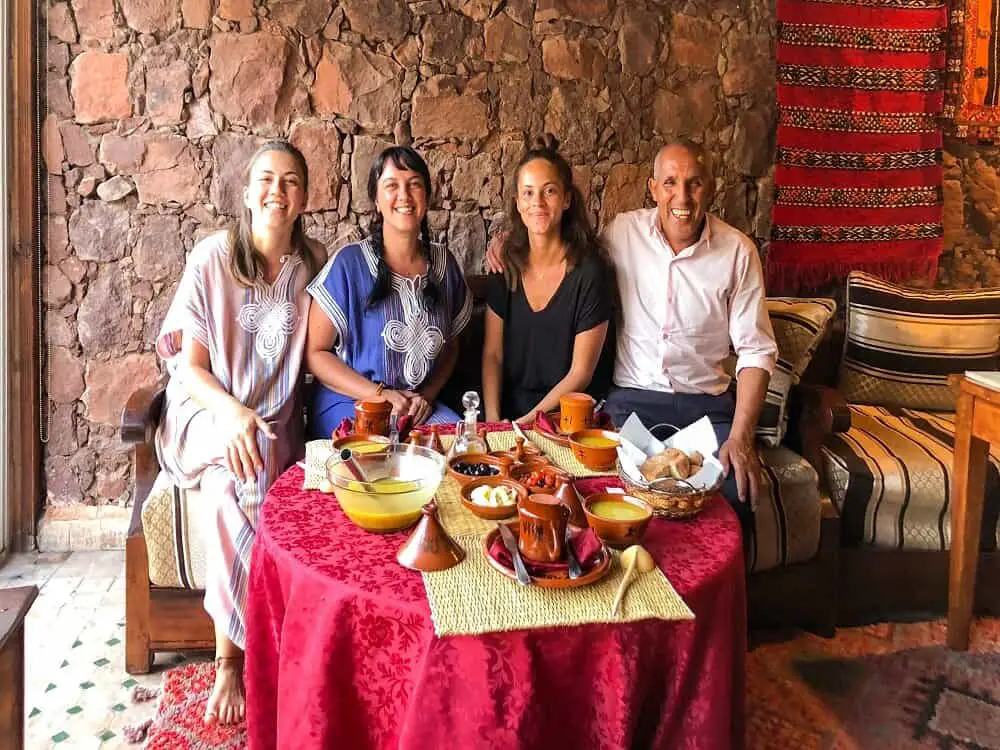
(526, 420)
(420, 408)
(240, 452)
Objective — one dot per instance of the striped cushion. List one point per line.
(787, 521)
(174, 545)
(799, 325)
(890, 477)
(903, 343)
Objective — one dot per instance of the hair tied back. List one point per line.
(547, 142)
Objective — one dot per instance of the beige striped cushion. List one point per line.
(787, 521)
(173, 542)
(890, 476)
(903, 343)
(799, 325)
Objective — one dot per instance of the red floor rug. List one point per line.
(887, 686)
(884, 687)
(178, 724)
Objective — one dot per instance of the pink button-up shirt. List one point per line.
(681, 311)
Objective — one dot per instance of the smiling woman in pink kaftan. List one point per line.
(233, 340)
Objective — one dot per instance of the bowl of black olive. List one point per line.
(468, 466)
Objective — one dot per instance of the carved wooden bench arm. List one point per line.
(139, 419)
(142, 411)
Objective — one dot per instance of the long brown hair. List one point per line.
(575, 229)
(245, 262)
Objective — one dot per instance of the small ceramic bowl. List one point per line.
(595, 449)
(522, 473)
(362, 442)
(501, 464)
(619, 520)
(493, 512)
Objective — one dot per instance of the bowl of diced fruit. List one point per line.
(493, 498)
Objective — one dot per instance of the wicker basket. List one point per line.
(671, 499)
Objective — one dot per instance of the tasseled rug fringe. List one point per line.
(136, 733)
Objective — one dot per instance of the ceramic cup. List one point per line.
(576, 412)
(542, 520)
(372, 416)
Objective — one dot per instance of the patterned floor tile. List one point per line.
(76, 684)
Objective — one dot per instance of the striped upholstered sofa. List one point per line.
(890, 473)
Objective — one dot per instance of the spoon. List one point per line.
(635, 558)
(346, 457)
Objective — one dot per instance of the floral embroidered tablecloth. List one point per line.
(341, 650)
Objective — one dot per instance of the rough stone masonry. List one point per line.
(152, 107)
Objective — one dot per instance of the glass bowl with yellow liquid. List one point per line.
(401, 480)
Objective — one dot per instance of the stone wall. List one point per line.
(152, 107)
(971, 217)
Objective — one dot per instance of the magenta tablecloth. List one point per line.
(341, 651)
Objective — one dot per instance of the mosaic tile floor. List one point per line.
(77, 692)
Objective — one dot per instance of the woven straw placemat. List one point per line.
(456, 519)
(317, 452)
(562, 456)
(474, 598)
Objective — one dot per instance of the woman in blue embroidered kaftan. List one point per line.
(387, 311)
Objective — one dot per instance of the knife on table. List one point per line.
(575, 571)
(510, 543)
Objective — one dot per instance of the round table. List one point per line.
(341, 650)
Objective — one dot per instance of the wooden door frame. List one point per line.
(24, 468)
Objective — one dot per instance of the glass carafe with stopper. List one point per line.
(467, 440)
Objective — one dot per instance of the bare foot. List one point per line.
(227, 704)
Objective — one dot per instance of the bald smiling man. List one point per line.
(691, 286)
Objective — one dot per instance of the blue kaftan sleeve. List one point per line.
(336, 289)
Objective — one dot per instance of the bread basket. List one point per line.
(671, 498)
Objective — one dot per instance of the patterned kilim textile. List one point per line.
(858, 177)
(972, 98)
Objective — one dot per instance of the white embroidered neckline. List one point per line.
(415, 337)
(272, 316)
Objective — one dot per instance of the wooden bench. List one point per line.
(14, 605)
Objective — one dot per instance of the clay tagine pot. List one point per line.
(435, 443)
(429, 547)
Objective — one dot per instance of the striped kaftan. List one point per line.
(255, 338)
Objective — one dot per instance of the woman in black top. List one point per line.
(549, 311)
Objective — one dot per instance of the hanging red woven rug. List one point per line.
(858, 175)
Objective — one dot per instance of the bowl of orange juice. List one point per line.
(401, 479)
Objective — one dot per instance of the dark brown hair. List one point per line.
(574, 226)
(402, 157)
(245, 261)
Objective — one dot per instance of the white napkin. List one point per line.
(638, 444)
